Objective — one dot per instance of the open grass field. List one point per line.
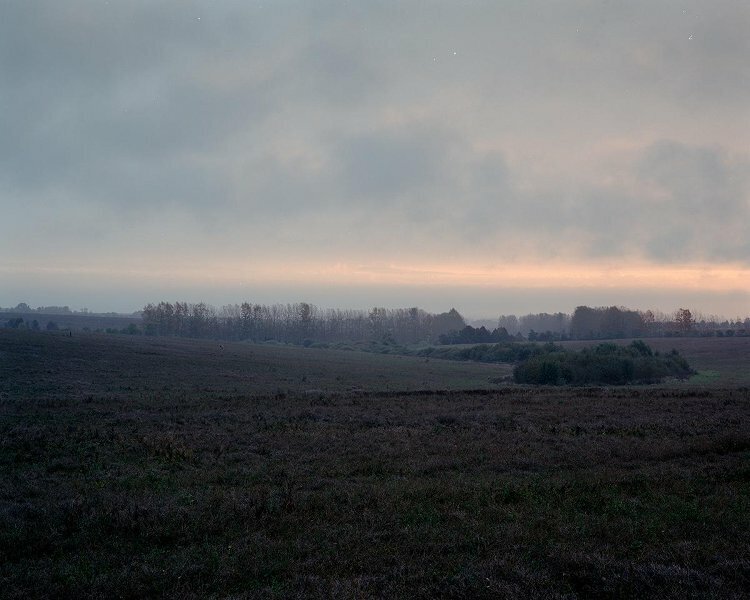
(134, 467)
(36, 365)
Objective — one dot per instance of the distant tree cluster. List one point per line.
(608, 364)
(24, 308)
(586, 323)
(687, 323)
(539, 327)
(553, 325)
(20, 323)
(617, 322)
(606, 323)
(471, 335)
(297, 323)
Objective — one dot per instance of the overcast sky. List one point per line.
(503, 156)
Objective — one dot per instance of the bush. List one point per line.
(608, 364)
(490, 353)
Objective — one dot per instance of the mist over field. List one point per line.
(472, 302)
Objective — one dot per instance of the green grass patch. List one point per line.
(705, 377)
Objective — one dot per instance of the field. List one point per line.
(134, 467)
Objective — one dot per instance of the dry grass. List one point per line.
(41, 364)
(118, 481)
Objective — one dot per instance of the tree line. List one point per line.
(297, 323)
(303, 322)
(24, 308)
(614, 322)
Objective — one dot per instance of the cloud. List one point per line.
(701, 202)
(481, 132)
(390, 165)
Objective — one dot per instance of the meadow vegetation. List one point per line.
(140, 467)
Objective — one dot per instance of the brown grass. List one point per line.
(123, 474)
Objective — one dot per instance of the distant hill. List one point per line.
(73, 321)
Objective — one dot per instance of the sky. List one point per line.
(500, 157)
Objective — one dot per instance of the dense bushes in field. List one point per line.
(473, 335)
(604, 364)
(491, 353)
(551, 364)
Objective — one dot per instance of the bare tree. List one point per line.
(683, 318)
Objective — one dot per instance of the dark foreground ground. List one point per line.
(116, 482)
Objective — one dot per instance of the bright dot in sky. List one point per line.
(454, 54)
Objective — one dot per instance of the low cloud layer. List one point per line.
(145, 133)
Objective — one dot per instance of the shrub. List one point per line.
(608, 364)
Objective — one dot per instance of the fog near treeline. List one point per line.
(306, 323)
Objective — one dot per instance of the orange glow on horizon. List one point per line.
(537, 276)
(700, 277)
